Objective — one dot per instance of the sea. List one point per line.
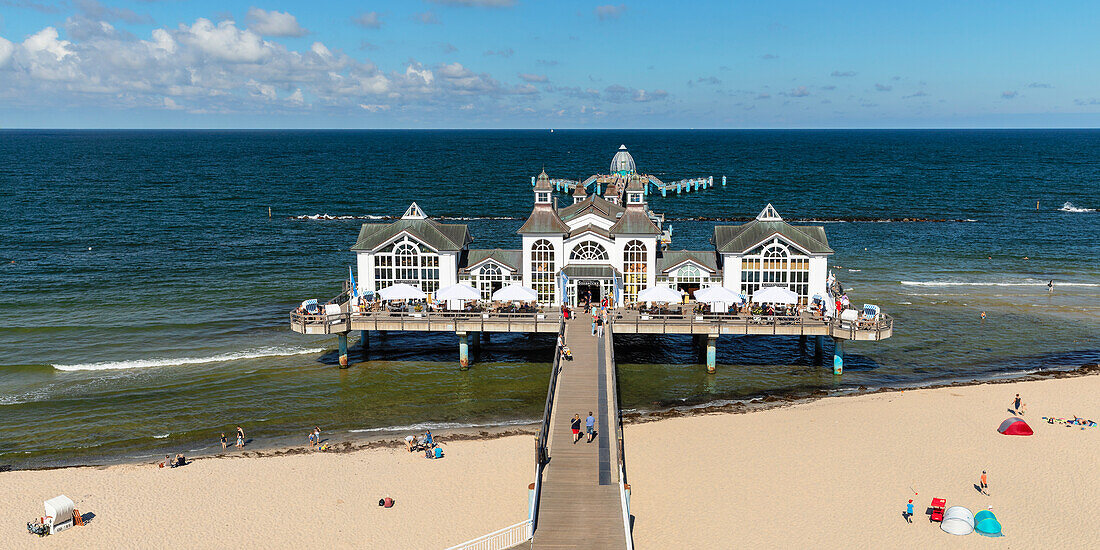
(146, 277)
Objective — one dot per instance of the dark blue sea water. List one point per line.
(144, 290)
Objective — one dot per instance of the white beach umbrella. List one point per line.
(716, 294)
(516, 293)
(402, 291)
(774, 295)
(458, 292)
(659, 294)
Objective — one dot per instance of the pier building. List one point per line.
(593, 247)
(612, 185)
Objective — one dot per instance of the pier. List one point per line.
(680, 320)
(612, 185)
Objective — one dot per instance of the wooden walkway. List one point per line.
(580, 505)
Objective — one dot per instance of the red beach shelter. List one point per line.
(1015, 426)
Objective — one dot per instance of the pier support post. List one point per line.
(485, 336)
(532, 181)
(723, 181)
(664, 191)
(802, 346)
(364, 339)
(463, 351)
(710, 182)
(342, 338)
(712, 352)
(838, 356)
(819, 349)
(677, 188)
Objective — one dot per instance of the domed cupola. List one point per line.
(622, 163)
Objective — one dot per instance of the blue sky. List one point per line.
(526, 64)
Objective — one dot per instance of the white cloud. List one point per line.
(477, 3)
(225, 41)
(421, 73)
(6, 51)
(274, 23)
(529, 77)
(320, 49)
(46, 40)
(296, 98)
(610, 11)
(171, 105)
(374, 108)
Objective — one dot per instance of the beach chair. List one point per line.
(938, 505)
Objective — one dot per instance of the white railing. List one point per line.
(499, 540)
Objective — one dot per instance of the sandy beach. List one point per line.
(831, 473)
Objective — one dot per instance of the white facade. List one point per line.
(582, 242)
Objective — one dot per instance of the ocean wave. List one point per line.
(275, 351)
(421, 426)
(162, 436)
(348, 217)
(987, 283)
(1068, 207)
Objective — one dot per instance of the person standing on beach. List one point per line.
(590, 426)
(984, 484)
(1050, 286)
(225, 442)
(240, 437)
(1016, 404)
(575, 425)
(909, 511)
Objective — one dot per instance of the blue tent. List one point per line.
(986, 524)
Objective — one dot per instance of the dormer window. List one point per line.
(542, 197)
(634, 198)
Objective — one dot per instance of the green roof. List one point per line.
(672, 258)
(737, 239)
(635, 222)
(438, 236)
(544, 220)
(509, 258)
(594, 204)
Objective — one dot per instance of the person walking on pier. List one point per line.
(599, 326)
(590, 426)
(575, 425)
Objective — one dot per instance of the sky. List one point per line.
(549, 64)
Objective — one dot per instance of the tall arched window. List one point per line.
(588, 250)
(405, 262)
(635, 262)
(543, 270)
(489, 279)
(775, 264)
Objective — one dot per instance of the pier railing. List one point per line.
(443, 320)
(624, 485)
(542, 451)
(677, 322)
(500, 539)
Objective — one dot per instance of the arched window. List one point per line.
(405, 262)
(635, 265)
(489, 279)
(688, 274)
(774, 264)
(543, 270)
(588, 250)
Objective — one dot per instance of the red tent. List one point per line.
(1015, 426)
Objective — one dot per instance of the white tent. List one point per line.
(402, 291)
(59, 513)
(516, 293)
(774, 295)
(957, 521)
(717, 294)
(659, 294)
(458, 292)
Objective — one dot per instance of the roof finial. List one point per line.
(769, 214)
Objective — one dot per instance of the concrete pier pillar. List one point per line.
(819, 349)
(723, 181)
(463, 351)
(710, 181)
(712, 352)
(677, 188)
(838, 356)
(664, 191)
(802, 346)
(532, 181)
(342, 338)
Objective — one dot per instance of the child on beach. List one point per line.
(909, 511)
(225, 442)
(240, 437)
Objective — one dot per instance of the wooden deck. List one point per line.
(579, 505)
